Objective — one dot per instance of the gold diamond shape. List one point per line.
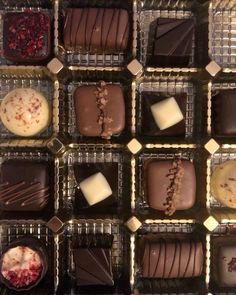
(55, 66)
(211, 223)
(134, 146)
(213, 68)
(211, 146)
(133, 223)
(135, 67)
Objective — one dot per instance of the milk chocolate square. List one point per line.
(99, 110)
(170, 184)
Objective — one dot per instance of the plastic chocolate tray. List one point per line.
(212, 67)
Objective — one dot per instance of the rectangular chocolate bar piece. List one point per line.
(171, 258)
(96, 30)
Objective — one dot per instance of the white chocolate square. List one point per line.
(166, 113)
(95, 188)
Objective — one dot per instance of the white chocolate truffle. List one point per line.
(166, 113)
(25, 112)
(95, 188)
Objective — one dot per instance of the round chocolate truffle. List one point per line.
(25, 112)
(23, 264)
(223, 184)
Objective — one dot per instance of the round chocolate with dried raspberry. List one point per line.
(23, 264)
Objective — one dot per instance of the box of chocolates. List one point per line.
(117, 147)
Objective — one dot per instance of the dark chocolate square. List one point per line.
(173, 42)
(24, 185)
(223, 113)
(26, 36)
(148, 124)
(110, 171)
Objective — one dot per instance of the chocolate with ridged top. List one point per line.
(170, 184)
(93, 266)
(24, 185)
(173, 42)
(99, 109)
(96, 30)
(223, 113)
(171, 258)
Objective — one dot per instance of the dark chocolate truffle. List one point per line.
(171, 258)
(170, 184)
(224, 261)
(24, 185)
(100, 110)
(223, 113)
(26, 36)
(173, 42)
(23, 264)
(148, 124)
(96, 30)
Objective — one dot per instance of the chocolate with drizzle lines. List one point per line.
(171, 258)
(24, 185)
(96, 30)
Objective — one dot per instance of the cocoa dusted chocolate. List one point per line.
(26, 36)
(96, 30)
(23, 264)
(24, 185)
(99, 110)
(170, 184)
(173, 42)
(168, 258)
(224, 261)
(223, 113)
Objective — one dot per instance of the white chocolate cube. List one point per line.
(166, 113)
(95, 188)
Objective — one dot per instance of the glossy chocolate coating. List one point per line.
(224, 261)
(148, 124)
(24, 185)
(171, 258)
(93, 266)
(96, 30)
(173, 42)
(35, 245)
(223, 113)
(162, 183)
(88, 113)
(26, 36)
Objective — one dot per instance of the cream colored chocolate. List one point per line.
(223, 184)
(25, 112)
(95, 188)
(166, 113)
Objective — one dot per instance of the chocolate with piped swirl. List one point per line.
(96, 30)
(24, 185)
(171, 258)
